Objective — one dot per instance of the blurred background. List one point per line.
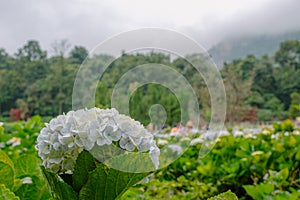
(255, 44)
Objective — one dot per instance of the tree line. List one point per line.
(257, 89)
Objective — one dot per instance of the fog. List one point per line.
(88, 22)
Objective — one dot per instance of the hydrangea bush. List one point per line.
(94, 133)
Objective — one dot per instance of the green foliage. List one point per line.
(264, 115)
(13, 177)
(288, 54)
(43, 85)
(107, 183)
(294, 109)
(91, 180)
(59, 189)
(78, 54)
(265, 166)
(135, 162)
(85, 163)
(21, 172)
(261, 191)
(7, 171)
(6, 194)
(266, 189)
(24, 132)
(225, 196)
(286, 126)
(144, 97)
(26, 166)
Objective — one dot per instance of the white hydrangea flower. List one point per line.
(176, 148)
(26, 180)
(61, 141)
(238, 134)
(223, 133)
(209, 135)
(154, 155)
(162, 142)
(296, 132)
(196, 141)
(15, 141)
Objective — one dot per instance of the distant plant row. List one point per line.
(258, 89)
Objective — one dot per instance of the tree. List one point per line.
(31, 66)
(237, 91)
(31, 51)
(288, 54)
(44, 85)
(78, 54)
(294, 109)
(264, 80)
(288, 73)
(287, 81)
(59, 74)
(273, 104)
(60, 47)
(4, 59)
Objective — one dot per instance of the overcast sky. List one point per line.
(88, 22)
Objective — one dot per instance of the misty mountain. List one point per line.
(230, 49)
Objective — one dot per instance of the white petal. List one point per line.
(154, 155)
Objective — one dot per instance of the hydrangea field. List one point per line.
(251, 163)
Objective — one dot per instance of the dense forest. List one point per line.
(257, 89)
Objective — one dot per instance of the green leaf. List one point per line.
(29, 191)
(67, 178)
(265, 188)
(133, 162)
(206, 169)
(102, 153)
(259, 191)
(17, 184)
(6, 175)
(32, 123)
(6, 171)
(27, 165)
(225, 196)
(85, 163)
(6, 194)
(107, 183)
(253, 192)
(59, 189)
(283, 174)
(5, 159)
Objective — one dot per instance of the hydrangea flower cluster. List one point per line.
(61, 141)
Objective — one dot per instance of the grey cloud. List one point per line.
(89, 22)
(275, 17)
